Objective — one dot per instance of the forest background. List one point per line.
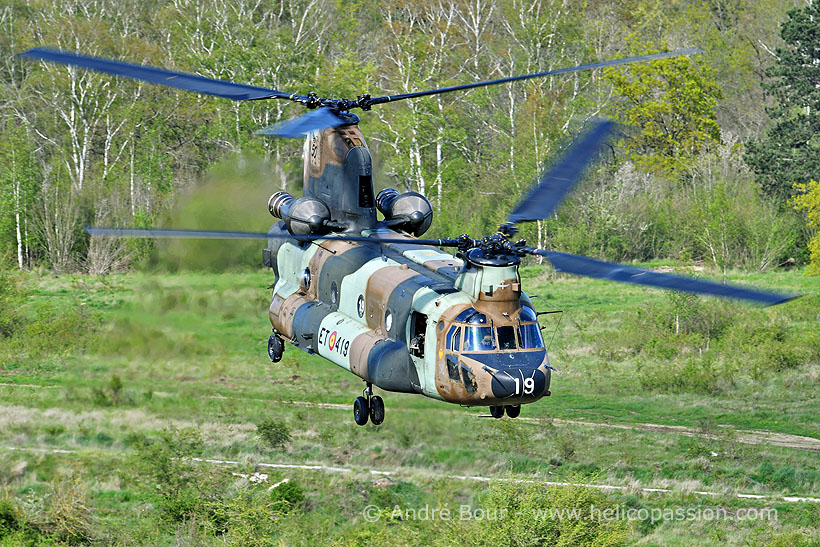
(701, 171)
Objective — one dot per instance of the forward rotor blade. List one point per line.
(556, 183)
(304, 124)
(590, 267)
(613, 62)
(154, 233)
(178, 80)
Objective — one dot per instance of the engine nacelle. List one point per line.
(410, 212)
(302, 216)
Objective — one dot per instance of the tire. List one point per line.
(513, 410)
(497, 412)
(360, 410)
(276, 347)
(376, 410)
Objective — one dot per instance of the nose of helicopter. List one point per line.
(518, 383)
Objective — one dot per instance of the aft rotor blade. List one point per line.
(304, 124)
(161, 233)
(589, 66)
(590, 267)
(556, 183)
(178, 80)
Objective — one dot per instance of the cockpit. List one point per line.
(471, 331)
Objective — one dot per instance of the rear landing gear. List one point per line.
(376, 410)
(360, 410)
(497, 411)
(368, 406)
(276, 347)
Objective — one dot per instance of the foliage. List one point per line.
(185, 490)
(82, 148)
(672, 103)
(519, 515)
(287, 496)
(67, 512)
(274, 433)
(788, 153)
(31, 326)
(807, 200)
(10, 518)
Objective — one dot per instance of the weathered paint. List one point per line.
(387, 283)
(335, 338)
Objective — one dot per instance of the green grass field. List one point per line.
(111, 384)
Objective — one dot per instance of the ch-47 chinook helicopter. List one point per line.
(374, 298)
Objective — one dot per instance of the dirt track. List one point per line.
(724, 431)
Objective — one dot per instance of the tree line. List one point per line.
(689, 176)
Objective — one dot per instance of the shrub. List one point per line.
(516, 514)
(274, 433)
(10, 520)
(185, 489)
(287, 495)
(67, 514)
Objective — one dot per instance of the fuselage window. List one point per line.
(452, 368)
(530, 336)
(478, 339)
(457, 340)
(506, 337)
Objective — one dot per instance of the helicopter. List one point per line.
(375, 298)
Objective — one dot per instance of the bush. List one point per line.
(186, 490)
(10, 520)
(699, 375)
(274, 433)
(516, 514)
(67, 514)
(287, 495)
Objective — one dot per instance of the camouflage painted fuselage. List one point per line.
(393, 314)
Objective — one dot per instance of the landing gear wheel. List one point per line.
(513, 410)
(376, 410)
(497, 411)
(361, 410)
(276, 347)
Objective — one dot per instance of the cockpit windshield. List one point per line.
(481, 335)
(478, 339)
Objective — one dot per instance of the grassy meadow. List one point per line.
(109, 385)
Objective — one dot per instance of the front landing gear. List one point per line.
(498, 411)
(368, 406)
(276, 347)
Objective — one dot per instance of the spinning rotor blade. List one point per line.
(152, 233)
(590, 267)
(304, 124)
(613, 62)
(556, 183)
(178, 80)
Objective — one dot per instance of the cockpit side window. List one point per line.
(530, 336)
(527, 314)
(449, 341)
